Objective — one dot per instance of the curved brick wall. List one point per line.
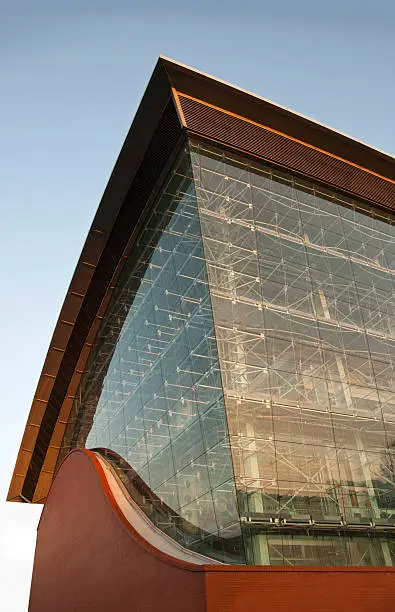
(89, 558)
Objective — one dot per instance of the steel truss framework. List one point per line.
(245, 367)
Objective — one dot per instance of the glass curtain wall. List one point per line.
(243, 378)
(302, 291)
(152, 393)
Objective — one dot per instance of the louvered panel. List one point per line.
(277, 148)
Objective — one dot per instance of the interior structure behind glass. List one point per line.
(152, 391)
(245, 368)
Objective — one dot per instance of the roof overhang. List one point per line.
(178, 101)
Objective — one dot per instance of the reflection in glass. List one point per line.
(152, 391)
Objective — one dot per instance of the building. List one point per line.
(227, 350)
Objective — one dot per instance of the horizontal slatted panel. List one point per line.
(277, 148)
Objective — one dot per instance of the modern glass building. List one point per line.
(227, 345)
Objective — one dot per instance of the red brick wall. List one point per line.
(89, 559)
(292, 589)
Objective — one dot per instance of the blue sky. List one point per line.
(71, 76)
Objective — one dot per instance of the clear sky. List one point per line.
(71, 75)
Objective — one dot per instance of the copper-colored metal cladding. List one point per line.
(82, 518)
(288, 152)
(178, 102)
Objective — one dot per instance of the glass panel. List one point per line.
(152, 394)
(258, 304)
(302, 288)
